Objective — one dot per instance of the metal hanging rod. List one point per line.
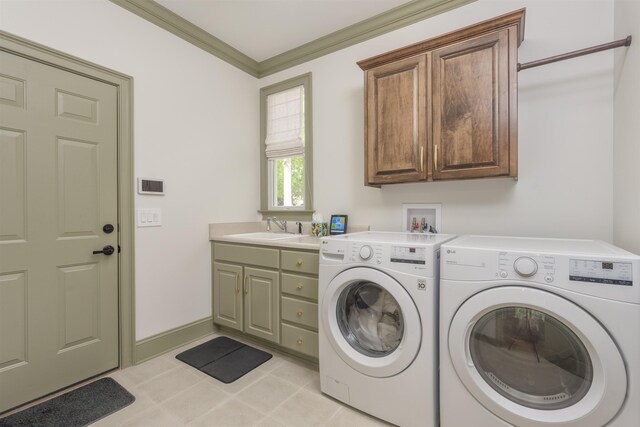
(575, 53)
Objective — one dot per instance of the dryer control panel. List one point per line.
(512, 264)
(605, 272)
(586, 267)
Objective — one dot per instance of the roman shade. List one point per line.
(285, 124)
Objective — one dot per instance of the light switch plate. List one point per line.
(149, 217)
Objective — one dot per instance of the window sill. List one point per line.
(288, 214)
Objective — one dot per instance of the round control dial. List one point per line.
(525, 266)
(366, 252)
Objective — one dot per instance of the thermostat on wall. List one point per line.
(151, 186)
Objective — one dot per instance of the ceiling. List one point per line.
(262, 37)
(262, 29)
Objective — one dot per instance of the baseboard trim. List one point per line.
(172, 339)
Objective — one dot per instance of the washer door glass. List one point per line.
(531, 358)
(370, 319)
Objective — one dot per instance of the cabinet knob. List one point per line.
(299, 341)
(299, 286)
(299, 261)
(299, 313)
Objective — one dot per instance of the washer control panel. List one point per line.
(409, 255)
(365, 252)
(401, 257)
(605, 272)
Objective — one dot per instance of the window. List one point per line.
(286, 149)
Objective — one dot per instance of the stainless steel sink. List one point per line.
(264, 236)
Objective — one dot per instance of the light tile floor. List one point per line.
(281, 392)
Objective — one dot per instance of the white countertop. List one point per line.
(294, 242)
(228, 232)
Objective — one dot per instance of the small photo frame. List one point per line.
(338, 225)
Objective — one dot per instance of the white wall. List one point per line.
(565, 131)
(626, 149)
(190, 121)
(196, 125)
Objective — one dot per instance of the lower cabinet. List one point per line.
(261, 308)
(227, 295)
(299, 305)
(300, 340)
(247, 298)
(267, 293)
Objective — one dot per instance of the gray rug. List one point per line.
(224, 359)
(79, 407)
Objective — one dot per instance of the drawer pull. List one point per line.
(299, 313)
(299, 341)
(299, 261)
(299, 286)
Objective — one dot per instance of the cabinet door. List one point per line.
(261, 303)
(472, 109)
(395, 126)
(227, 295)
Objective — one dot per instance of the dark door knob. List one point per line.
(108, 228)
(107, 250)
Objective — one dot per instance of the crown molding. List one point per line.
(164, 18)
(398, 17)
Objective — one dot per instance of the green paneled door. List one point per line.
(58, 189)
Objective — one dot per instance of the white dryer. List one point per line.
(539, 332)
(378, 324)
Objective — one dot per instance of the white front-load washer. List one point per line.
(539, 332)
(378, 324)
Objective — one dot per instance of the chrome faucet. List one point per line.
(282, 224)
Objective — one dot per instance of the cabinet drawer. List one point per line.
(250, 255)
(300, 340)
(304, 262)
(300, 286)
(298, 311)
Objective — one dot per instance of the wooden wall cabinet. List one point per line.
(445, 108)
(395, 134)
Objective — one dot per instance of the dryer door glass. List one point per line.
(370, 319)
(531, 358)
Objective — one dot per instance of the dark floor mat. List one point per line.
(234, 365)
(224, 359)
(208, 352)
(79, 407)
